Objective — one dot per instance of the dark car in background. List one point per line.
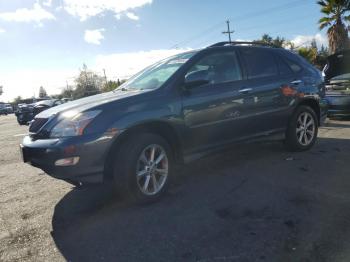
(178, 110)
(3, 110)
(25, 113)
(337, 77)
(9, 108)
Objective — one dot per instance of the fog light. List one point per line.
(70, 161)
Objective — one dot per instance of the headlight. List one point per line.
(73, 124)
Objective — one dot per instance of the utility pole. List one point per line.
(229, 32)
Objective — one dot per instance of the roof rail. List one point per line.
(254, 43)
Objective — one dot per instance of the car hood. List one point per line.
(338, 66)
(90, 102)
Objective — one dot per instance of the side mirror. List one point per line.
(196, 78)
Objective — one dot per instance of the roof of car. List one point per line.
(242, 43)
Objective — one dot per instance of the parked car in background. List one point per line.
(45, 104)
(337, 77)
(178, 110)
(26, 113)
(9, 108)
(3, 110)
(65, 100)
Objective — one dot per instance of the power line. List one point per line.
(210, 29)
(267, 11)
(246, 16)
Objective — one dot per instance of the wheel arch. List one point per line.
(314, 105)
(161, 128)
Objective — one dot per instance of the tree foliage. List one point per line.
(309, 53)
(336, 19)
(42, 92)
(17, 100)
(269, 40)
(87, 83)
(112, 85)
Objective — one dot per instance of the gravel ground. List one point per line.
(256, 202)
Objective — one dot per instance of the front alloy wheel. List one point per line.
(152, 169)
(143, 167)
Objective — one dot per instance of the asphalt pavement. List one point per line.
(255, 202)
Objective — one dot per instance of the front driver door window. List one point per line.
(210, 110)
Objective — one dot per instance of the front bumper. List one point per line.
(91, 150)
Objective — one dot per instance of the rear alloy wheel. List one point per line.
(143, 167)
(302, 129)
(305, 129)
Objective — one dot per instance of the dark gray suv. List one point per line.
(178, 110)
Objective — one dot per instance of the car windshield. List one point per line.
(157, 74)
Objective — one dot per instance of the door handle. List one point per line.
(245, 90)
(296, 82)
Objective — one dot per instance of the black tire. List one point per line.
(125, 167)
(292, 141)
(19, 121)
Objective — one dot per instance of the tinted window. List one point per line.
(284, 67)
(260, 63)
(293, 65)
(219, 67)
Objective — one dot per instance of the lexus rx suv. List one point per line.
(176, 111)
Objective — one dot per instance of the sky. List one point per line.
(46, 42)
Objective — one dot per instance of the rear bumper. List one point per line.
(91, 150)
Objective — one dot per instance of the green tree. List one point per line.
(309, 53)
(17, 100)
(87, 83)
(42, 92)
(269, 40)
(313, 43)
(323, 51)
(266, 39)
(335, 19)
(110, 86)
(290, 45)
(67, 92)
(279, 41)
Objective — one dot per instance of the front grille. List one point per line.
(36, 124)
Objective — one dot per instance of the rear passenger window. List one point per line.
(294, 66)
(260, 63)
(284, 67)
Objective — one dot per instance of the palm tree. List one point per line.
(337, 14)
